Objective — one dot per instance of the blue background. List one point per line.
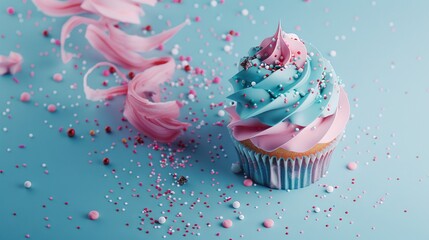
(382, 54)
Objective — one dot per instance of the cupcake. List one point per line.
(290, 110)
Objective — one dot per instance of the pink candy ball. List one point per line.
(352, 166)
(52, 108)
(25, 97)
(10, 10)
(248, 182)
(268, 223)
(216, 80)
(58, 77)
(227, 223)
(106, 73)
(93, 215)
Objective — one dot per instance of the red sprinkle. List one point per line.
(71, 132)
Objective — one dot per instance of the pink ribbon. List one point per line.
(143, 106)
(127, 11)
(10, 64)
(123, 49)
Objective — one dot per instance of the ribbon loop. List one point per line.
(143, 107)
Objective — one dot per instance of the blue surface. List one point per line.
(382, 54)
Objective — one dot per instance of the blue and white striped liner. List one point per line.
(285, 173)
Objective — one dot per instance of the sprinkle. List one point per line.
(241, 217)
(316, 209)
(182, 180)
(10, 10)
(247, 182)
(27, 184)
(174, 51)
(235, 168)
(162, 220)
(108, 129)
(221, 113)
(52, 108)
(57, 77)
(227, 223)
(352, 166)
(25, 97)
(213, 3)
(106, 161)
(227, 48)
(93, 215)
(333, 53)
(329, 189)
(71, 132)
(216, 80)
(268, 223)
(245, 12)
(236, 204)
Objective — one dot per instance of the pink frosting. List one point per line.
(283, 49)
(10, 64)
(284, 134)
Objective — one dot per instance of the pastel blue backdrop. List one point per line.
(381, 55)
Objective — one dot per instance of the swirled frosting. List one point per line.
(287, 95)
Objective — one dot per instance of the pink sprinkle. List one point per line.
(216, 80)
(25, 97)
(268, 223)
(58, 77)
(228, 38)
(106, 73)
(227, 223)
(193, 92)
(27, 235)
(352, 166)
(10, 10)
(197, 19)
(248, 182)
(93, 215)
(52, 108)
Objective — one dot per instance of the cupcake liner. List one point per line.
(281, 173)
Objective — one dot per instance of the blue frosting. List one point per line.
(274, 94)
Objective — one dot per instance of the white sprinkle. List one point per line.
(245, 12)
(261, 8)
(316, 209)
(162, 220)
(241, 217)
(213, 3)
(236, 204)
(227, 48)
(27, 184)
(175, 51)
(235, 168)
(333, 53)
(329, 189)
(221, 113)
(191, 96)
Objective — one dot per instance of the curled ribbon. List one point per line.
(114, 44)
(143, 106)
(10, 64)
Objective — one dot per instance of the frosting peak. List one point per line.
(282, 49)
